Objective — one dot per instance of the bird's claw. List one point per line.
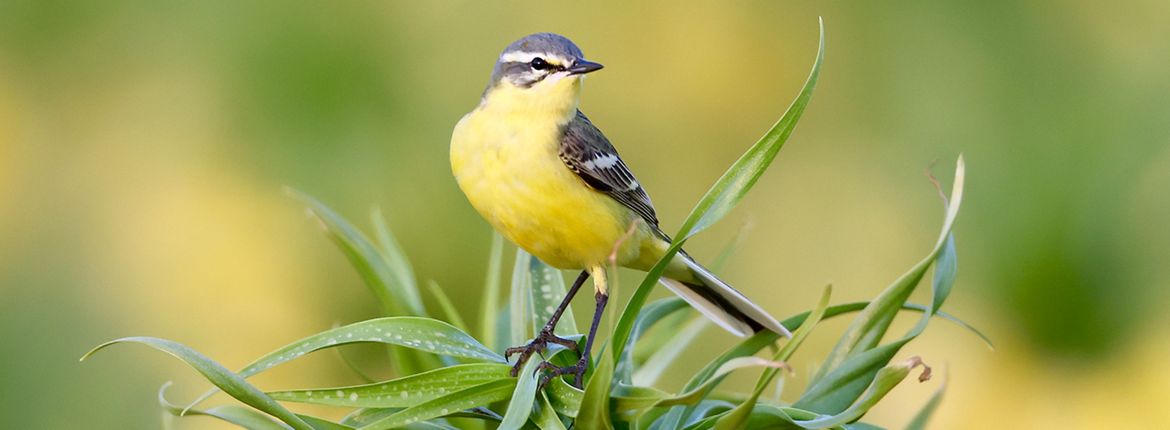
(577, 370)
(540, 343)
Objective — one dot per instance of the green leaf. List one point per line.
(594, 410)
(400, 267)
(241, 416)
(449, 310)
(423, 334)
(468, 398)
(229, 382)
(384, 280)
(739, 179)
(520, 407)
(720, 199)
(546, 417)
(656, 365)
(638, 404)
(884, 381)
(402, 392)
(546, 291)
(489, 312)
(651, 315)
(738, 417)
(856, 359)
(519, 306)
(385, 271)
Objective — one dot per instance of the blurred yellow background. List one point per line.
(144, 145)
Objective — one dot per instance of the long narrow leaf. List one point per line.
(400, 268)
(379, 276)
(448, 307)
(885, 380)
(647, 319)
(248, 418)
(423, 334)
(594, 409)
(520, 407)
(738, 417)
(489, 312)
(519, 303)
(720, 199)
(656, 365)
(855, 360)
(467, 398)
(546, 291)
(546, 417)
(227, 381)
(402, 392)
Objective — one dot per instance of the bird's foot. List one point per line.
(577, 370)
(540, 343)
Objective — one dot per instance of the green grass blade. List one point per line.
(422, 334)
(738, 417)
(546, 417)
(523, 396)
(489, 312)
(402, 392)
(693, 396)
(565, 398)
(856, 359)
(379, 276)
(546, 291)
(739, 179)
(594, 412)
(468, 398)
(884, 381)
(647, 319)
(400, 268)
(448, 307)
(363, 417)
(722, 197)
(656, 365)
(519, 306)
(241, 416)
(229, 382)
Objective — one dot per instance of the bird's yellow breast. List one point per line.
(506, 161)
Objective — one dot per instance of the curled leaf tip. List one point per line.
(925, 376)
(916, 361)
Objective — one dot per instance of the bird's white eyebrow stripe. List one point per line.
(525, 57)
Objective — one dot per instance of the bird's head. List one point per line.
(542, 71)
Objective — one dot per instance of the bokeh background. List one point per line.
(144, 147)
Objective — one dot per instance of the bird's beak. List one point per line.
(581, 67)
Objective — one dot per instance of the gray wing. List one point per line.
(590, 155)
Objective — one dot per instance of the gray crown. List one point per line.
(520, 73)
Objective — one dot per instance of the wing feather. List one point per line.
(590, 155)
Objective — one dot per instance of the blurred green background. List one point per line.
(143, 147)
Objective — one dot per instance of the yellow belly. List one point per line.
(509, 169)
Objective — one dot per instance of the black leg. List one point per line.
(546, 334)
(578, 370)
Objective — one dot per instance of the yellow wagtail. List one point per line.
(543, 175)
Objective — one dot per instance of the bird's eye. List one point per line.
(539, 64)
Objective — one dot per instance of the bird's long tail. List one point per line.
(718, 301)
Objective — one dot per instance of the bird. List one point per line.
(544, 176)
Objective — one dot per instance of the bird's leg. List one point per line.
(578, 370)
(547, 334)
